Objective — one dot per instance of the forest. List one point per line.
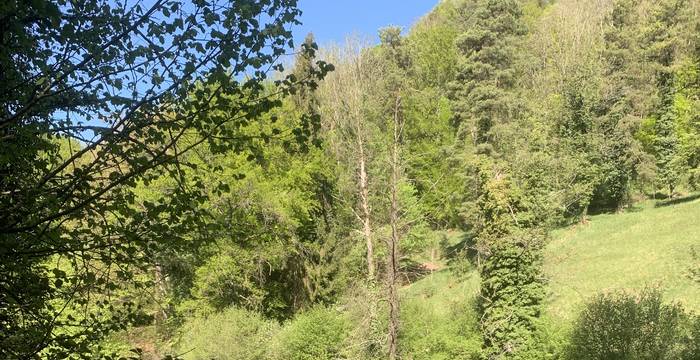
(505, 179)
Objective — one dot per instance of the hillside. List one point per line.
(646, 246)
(191, 179)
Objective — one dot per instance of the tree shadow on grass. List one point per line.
(675, 201)
(412, 271)
(634, 208)
(465, 247)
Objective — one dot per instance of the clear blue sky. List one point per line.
(331, 20)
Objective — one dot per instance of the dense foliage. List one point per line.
(149, 82)
(628, 326)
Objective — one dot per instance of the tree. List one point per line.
(142, 79)
(505, 230)
(509, 242)
(482, 91)
(277, 246)
(394, 62)
(393, 256)
(344, 102)
(305, 98)
(665, 149)
(429, 137)
(621, 108)
(660, 42)
(574, 131)
(687, 108)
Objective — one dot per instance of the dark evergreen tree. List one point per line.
(311, 271)
(508, 252)
(509, 243)
(660, 42)
(616, 149)
(304, 67)
(482, 93)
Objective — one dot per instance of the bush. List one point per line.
(627, 326)
(369, 320)
(448, 332)
(314, 335)
(232, 334)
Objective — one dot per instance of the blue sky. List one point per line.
(331, 20)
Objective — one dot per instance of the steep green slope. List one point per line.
(646, 247)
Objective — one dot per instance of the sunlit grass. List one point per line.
(649, 246)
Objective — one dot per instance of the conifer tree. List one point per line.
(305, 98)
(482, 93)
(509, 242)
(616, 147)
(484, 101)
(660, 42)
(314, 265)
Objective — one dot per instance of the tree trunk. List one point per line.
(364, 204)
(584, 216)
(393, 253)
(161, 293)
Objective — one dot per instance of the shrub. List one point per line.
(368, 318)
(627, 326)
(232, 334)
(317, 334)
(446, 332)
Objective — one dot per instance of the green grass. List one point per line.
(646, 247)
(442, 290)
(438, 317)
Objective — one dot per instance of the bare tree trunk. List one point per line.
(343, 96)
(364, 204)
(161, 292)
(393, 253)
(584, 216)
